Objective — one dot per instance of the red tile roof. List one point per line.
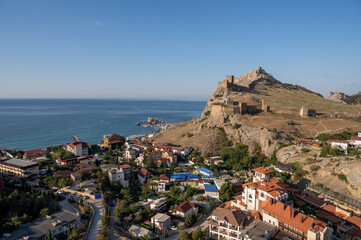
(184, 207)
(337, 141)
(32, 153)
(144, 172)
(290, 216)
(356, 220)
(332, 209)
(263, 170)
(354, 232)
(125, 166)
(314, 200)
(355, 138)
(329, 217)
(164, 177)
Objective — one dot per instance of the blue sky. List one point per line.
(174, 49)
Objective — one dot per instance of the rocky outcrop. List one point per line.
(254, 77)
(217, 95)
(337, 97)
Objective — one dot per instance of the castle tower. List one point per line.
(230, 79)
(265, 107)
(304, 111)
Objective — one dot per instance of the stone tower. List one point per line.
(230, 79)
(265, 107)
(304, 111)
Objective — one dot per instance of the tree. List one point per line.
(49, 237)
(183, 235)
(226, 191)
(191, 219)
(198, 234)
(44, 212)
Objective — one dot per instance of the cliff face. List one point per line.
(337, 97)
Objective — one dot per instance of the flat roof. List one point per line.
(19, 163)
(40, 228)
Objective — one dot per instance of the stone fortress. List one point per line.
(234, 107)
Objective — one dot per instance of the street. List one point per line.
(96, 223)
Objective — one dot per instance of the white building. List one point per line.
(226, 224)
(161, 221)
(338, 143)
(77, 148)
(185, 209)
(356, 141)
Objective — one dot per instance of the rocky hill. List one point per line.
(337, 97)
(260, 111)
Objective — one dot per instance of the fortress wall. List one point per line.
(216, 110)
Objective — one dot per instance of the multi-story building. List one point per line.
(144, 175)
(121, 174)
(19, 168)
(57, 224)
(226, 224)
(72, 161)
(293, 222)
(161, 221)
(254, 193)
(185, 209)
(77, 148)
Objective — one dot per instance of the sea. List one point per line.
(27, 124)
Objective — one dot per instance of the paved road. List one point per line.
(96, 223)
(113, 232)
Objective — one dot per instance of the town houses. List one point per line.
(161, 189)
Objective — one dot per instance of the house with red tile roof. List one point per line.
(185, 209)
(254, 193)
(29, 154)
(293, 222)
(77, 148)
(262, 173)
(144, 175)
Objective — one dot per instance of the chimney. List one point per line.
(303, 218)
(313, 224)
(284, 207)
(294, 213)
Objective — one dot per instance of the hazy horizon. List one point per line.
(174, 50)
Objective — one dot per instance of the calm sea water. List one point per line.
(38, 123)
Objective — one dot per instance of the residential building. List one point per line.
(161, 221)
(262, 174)
(19, 168)
(158, 204)
(162, 187)
(121, 174)
(293, 222)
(204, 171)
(144, 175)
(72, 161)
(226, 224)
(285, 168)
(112, 139)
(259, 230)
(164, 178)
(140, 232)
(219, 183)
(356, 141)
(57, 223)
(211, 191)
(254, 193)
(76, 177)
(30, 154)
(185, 209)
(341, 144)
(77, 148)
(130, 154)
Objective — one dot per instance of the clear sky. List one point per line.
(174, 49)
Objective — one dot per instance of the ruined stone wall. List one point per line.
(216, 110)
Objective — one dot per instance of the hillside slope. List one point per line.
(255, 127)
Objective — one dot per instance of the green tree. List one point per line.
(198, 234)
(183, 235)
(44, 212)
(226, 191)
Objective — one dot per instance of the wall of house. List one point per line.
(269, 219)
